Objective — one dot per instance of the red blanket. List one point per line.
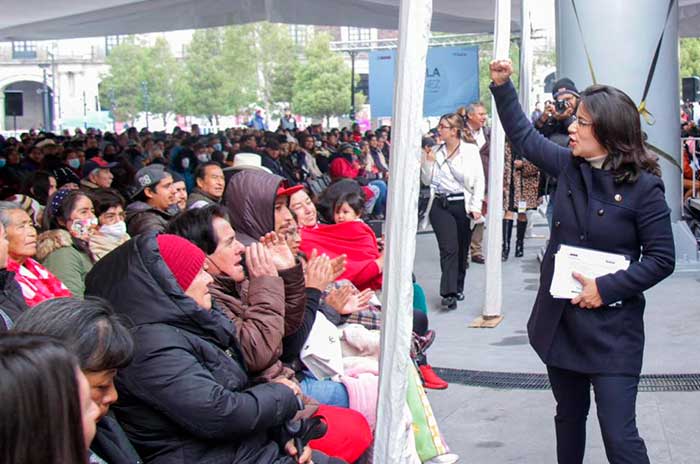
(354, 239)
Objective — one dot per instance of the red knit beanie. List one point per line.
(183, 258)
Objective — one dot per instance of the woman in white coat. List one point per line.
(455, 175)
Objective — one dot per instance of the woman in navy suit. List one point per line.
(610, 197)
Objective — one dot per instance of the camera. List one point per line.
(561, 106)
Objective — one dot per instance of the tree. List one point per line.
(205, 83)
(161, 72)
(485, 58)
(120, 89)
(278, 58)
(322, 84)
(690, 57)
(239, 67)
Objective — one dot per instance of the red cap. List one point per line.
(288, 191)
(183, 258)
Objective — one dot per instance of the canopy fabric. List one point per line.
(63, 19)
(689, 18)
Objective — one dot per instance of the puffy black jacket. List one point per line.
(185, 397)
(111, 443)
(12, 303)
(142, 218)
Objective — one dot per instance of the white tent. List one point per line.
(35, 20)
(61, 19)
(689, 18)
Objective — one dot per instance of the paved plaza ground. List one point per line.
(485, 425)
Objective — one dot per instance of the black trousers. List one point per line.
(615, 397)
(451, 226)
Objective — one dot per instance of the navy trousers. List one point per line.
(615, 397)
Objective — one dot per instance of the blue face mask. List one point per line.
(3, 162)
(74, 163)
(217, 146)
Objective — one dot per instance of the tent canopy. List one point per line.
(689, 18)
(63, 19)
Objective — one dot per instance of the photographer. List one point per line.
(554, 124)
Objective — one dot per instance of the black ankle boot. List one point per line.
(520, 239)
(507, 234)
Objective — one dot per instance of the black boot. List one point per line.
(507, 234)
(520, 238)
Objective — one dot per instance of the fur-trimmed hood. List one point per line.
(52, 240)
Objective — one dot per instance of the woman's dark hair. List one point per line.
(617, 128)
(57, 218)
(356, 201)
(89, 328)
(196, 225)
(37, 186)
(40, 414)
(104, 199)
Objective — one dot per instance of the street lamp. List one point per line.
(144, 89)
(48, 126)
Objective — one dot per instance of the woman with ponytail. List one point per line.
(454, 172)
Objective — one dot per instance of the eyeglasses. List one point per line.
(582, 122)
(442, 126)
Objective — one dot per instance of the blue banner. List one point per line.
(451, 80)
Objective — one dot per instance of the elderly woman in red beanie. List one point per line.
(186, 396)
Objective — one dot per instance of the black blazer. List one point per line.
(594, 212)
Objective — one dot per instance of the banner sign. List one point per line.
(451, 80)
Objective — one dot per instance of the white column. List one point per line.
(493, 296)
(402, 223)
(525, 55)
(621, 46)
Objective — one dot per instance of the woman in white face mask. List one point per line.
(111, 231)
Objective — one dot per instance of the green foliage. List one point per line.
(485, 58)
(690, 57)
(322, 84)
(279, 58)
(205, 75)
(121, 87)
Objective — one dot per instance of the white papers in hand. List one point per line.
(587, 262)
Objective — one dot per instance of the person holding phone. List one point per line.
(454, 172)
(610, 197)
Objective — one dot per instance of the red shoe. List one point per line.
(431, 379)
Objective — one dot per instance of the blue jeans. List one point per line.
(325, 392)
(380, 205)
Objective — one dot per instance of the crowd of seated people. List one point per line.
(172, 284)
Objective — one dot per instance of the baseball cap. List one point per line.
(96, 162)
(149, 176)
(283, 190)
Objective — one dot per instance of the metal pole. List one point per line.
(352, 86)
(144, 88)
(53, 89)
(47, 123)
(402, 223)
(84, 111)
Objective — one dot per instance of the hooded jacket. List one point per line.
(185, 396)
(142, 217)
(250, 201)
